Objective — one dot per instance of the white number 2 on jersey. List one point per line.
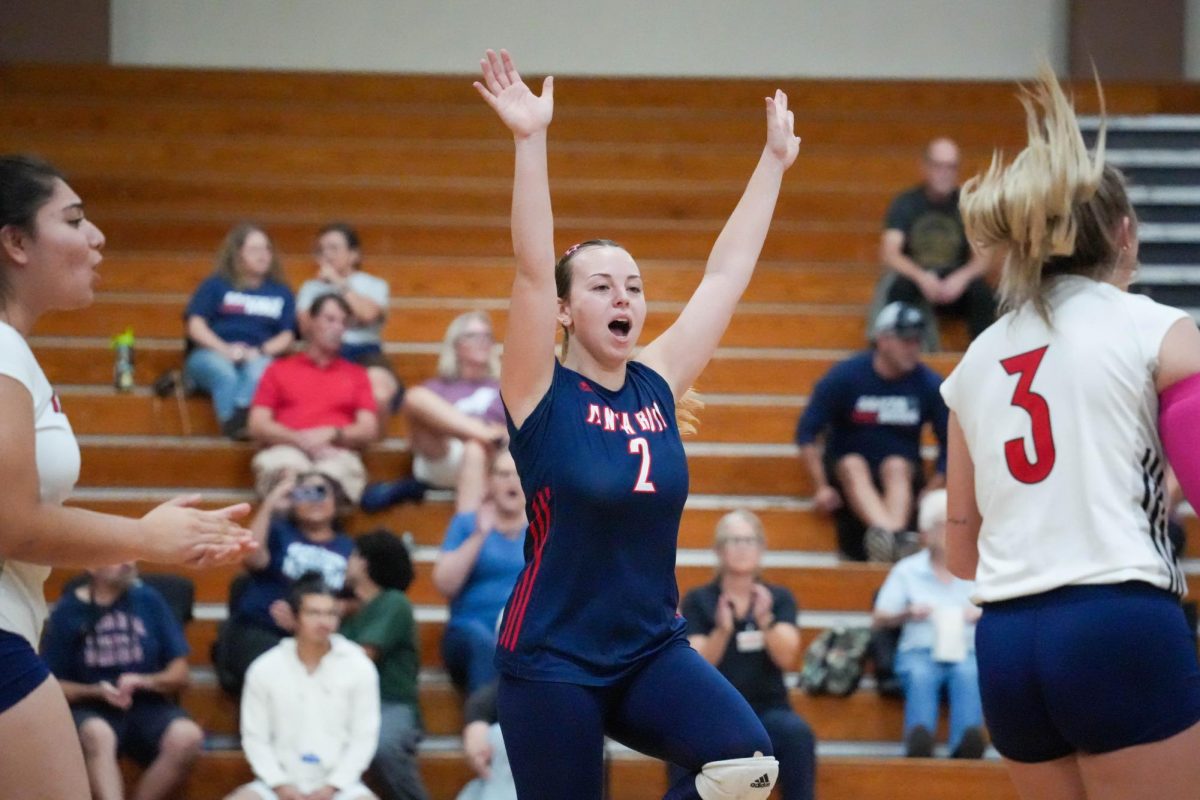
(640, 446)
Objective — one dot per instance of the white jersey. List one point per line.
(22, 601)
(1062, 426)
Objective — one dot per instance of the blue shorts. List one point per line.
(21, 671)
(1086, 669)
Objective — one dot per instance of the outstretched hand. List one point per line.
(519, 108)
(177, 533)
(782, 142)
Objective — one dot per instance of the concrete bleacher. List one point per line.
(168, 160)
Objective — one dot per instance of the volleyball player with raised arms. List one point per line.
(49, 252)
(1088, 674)
(591, 643)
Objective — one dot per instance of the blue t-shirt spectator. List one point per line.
(246, 316)
(487, 588)
(873, 417)
(292, 555)
(88, 643)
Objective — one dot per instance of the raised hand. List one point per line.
(519, 108)
(177, 533)
(782, 142)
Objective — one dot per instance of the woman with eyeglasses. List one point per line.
(456, 420)
(298, 528)
(746, 628)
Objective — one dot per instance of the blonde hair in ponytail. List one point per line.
(1055, 208)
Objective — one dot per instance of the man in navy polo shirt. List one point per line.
(860, 437)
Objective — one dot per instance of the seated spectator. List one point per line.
(483, 746)
(936, 652)
(456, 420)
(381, 622)
(121, 658)
(481, 557)
(339, 256)
(298, 531)
(310, 712)
(926, 248)
(747, 629)
(314, 410)
(240, 317)
(860, 437)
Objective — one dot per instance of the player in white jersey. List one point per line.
(49, 253)
(1089, 678)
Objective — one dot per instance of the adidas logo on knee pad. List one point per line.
(762, 783)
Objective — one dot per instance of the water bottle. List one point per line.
(122, 345)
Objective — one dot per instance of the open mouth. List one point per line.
(620, 327)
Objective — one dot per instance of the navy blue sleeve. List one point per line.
(287, 320)
(819, 412)
(278, 538)
(700, 620)
(206, 299)
(937, 414)
(166, 628)
(58, 641)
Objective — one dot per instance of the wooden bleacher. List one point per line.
(169, 160)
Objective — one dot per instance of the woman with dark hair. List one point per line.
(1061, 413)
(238, 319)
(339, 271)
(298, 530)
(382, 622)
(49, 254)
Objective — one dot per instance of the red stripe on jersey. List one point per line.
(539, 530)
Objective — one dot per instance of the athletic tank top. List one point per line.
(1062, 425)
(22, 601)
(605, 480)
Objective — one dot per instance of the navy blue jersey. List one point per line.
(605, 479)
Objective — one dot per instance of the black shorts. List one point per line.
(139, 729)
(21, 671)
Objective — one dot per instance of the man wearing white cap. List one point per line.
(860, 437)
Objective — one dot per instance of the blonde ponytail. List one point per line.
(1042, 207)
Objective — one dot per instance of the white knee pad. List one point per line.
(738, 778)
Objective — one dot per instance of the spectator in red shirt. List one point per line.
(315, 410)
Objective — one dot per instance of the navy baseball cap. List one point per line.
(902, 319)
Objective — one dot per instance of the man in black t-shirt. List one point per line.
(924, 243)
(747, 630)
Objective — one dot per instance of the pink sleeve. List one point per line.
(1179, 429)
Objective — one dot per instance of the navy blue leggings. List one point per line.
(677, 708)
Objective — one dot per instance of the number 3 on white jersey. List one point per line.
(640, 446)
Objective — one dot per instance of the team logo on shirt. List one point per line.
(886, 410)
(649, 420)
(252, 305)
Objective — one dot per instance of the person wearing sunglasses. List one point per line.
(298, 528)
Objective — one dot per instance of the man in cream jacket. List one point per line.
(310, 710)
